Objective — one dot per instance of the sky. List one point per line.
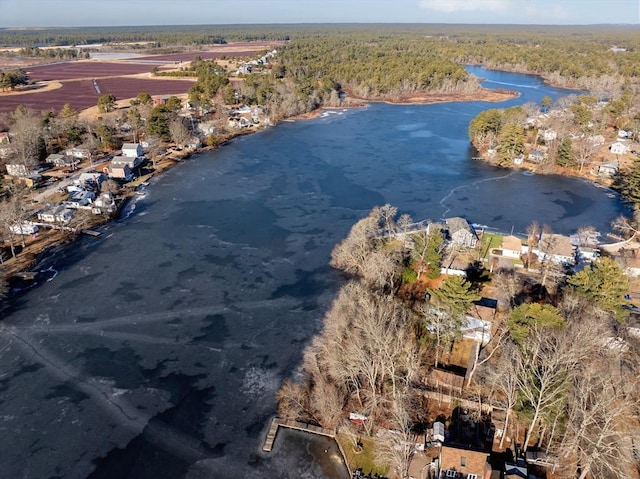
(74, 13)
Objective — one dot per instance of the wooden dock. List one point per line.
(92, 233)
(276, 422)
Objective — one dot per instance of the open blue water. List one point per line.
(155, 351)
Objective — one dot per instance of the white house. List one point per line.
(618, 148)
(556, 248)
(625, 134)
(511, 247)
(549, 135)
(131, 161)
(92, 179)
(25, 228)
(132, 150)
(80, 153)
(56, 214)
(104, 203)
(476, 329)
(78, 199)
(609, 168)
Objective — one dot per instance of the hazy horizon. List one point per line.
(116, 13)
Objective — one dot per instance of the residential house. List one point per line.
(461, 233)
(132, 150)
(193, 143)
(91, 180)
(549, 135)
(625, 134)
(19, 170)
(610, 168)
(516, 471)
(56, 214)
(536, 155)
(25, 228)
(478, 323)
(79, 153)
(207, 127)
(131, 161)
(57, 159)
(4, 138)
(78, 199)
(476, 329)
(511, 247)
(245, 69)
(629, 259)
(160, 99)
(119, 171)
(557, 248)
(518, 160)
(618, 148)
(457, 463)
(104, 204)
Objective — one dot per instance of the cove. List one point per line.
(156, 349)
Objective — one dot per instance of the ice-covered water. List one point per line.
(156, 349)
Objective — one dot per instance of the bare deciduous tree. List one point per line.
(602, 420)
(396, 447)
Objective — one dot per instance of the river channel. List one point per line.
(156, 350)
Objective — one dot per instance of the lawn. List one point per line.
(488, 242)
(363, 459)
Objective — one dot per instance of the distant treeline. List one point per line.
(165, 35)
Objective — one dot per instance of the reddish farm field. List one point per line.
(81, 94)
(75, 70)
(189, 56)
(77, 78)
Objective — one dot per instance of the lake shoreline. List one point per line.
(28, 262)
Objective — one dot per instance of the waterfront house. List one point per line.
(458, 463)
(536, 155)
(511, 246)
(556, 248)
(131, 161)
(618, 148)
(119, 171)
(56, 214)
(461, 233)
(79, 199)
(609, 168)
(132, 150)
(104, 204)
(518, 160)
(90, 180)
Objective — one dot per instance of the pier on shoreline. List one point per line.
(277, 422)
